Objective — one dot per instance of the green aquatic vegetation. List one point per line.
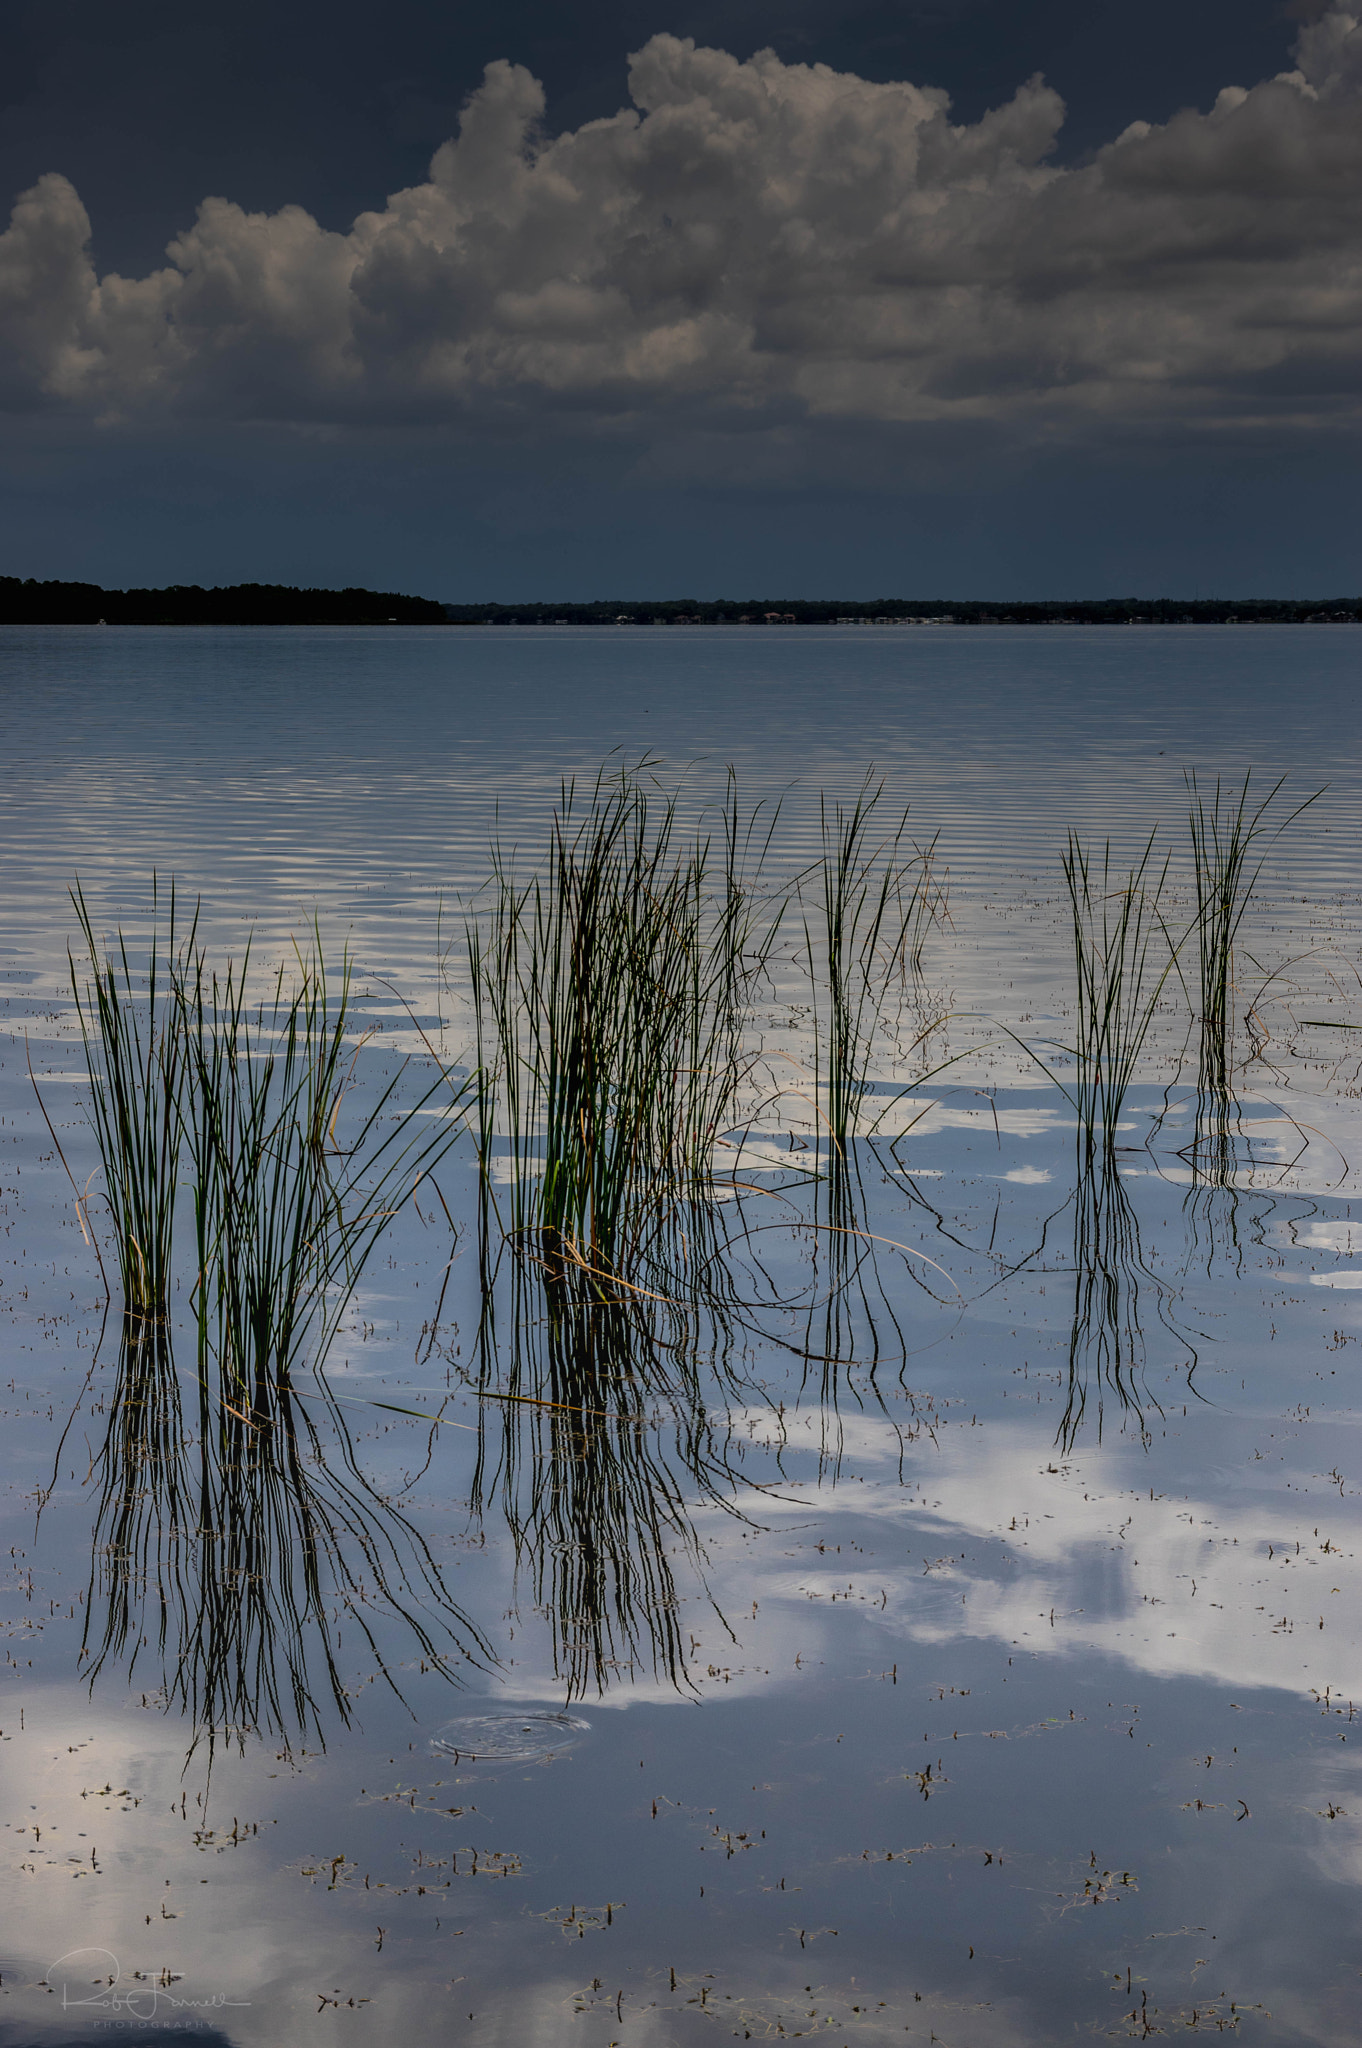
(233, 1527)
(611, 989)
(1231, 838)
(614, 986)
(1123, 956)
(246, 1100)
(134, 1051)
(877, 897)
(291, 1191)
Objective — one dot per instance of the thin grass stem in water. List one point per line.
(1231, 838)
(1123, 956)
(878, 901)
(134, 1052)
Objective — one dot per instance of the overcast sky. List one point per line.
(983, 297)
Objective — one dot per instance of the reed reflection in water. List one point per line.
(230, 1549)
(616, 1415)
(604, 1426)
(1114, 1285)
(1219, 1150)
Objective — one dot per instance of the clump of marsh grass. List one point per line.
(228, 1536)
(1123, 956)
(192, 1079)
(287, 1205)
(1231, 839)
(134, 1050)
(879, 897)
(611, 989)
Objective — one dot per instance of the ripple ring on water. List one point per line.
(507, 1738)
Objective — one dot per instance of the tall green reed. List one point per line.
(878, 897)
(611, 989)
(288, 1203)
(1231, 839)
(195, 1079)
(134, 1050)
(1123, 956)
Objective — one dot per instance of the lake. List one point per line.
(803, 1654)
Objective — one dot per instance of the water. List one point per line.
(911, 1673)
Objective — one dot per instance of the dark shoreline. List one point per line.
(1123, 611)
(29, 603)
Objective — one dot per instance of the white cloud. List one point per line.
(1250, 1584)
(754, 242)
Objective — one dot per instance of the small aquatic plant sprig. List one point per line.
(611, 991)
(1230, 843)
(134, 1051)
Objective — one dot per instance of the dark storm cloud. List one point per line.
(753, 242)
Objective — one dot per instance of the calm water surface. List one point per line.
(962, 1652)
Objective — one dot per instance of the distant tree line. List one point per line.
(1111, 611)
(26, 603)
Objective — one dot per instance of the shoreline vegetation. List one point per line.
(24, 602)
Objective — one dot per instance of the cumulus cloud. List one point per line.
(754, 242)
